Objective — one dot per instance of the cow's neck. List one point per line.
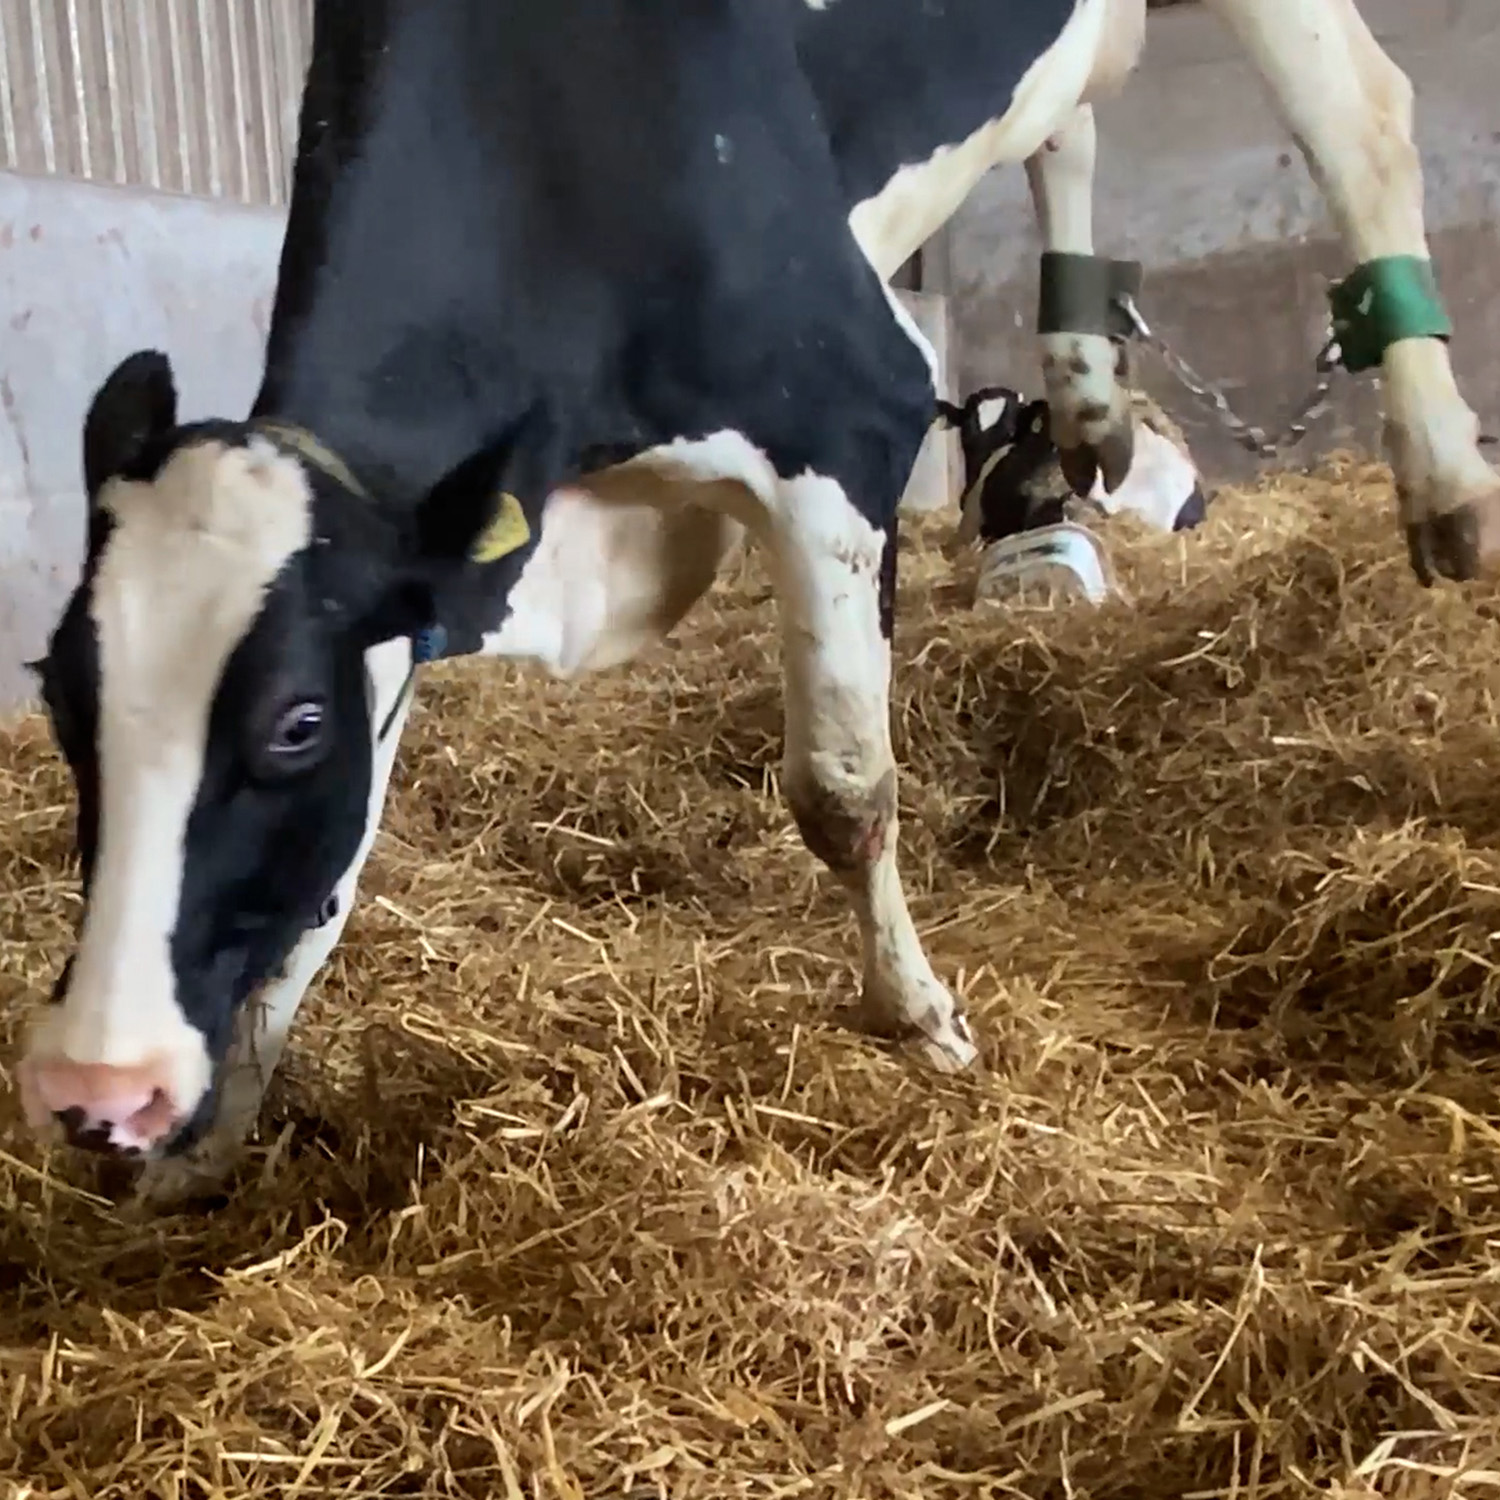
(394, 453)
(409, 325)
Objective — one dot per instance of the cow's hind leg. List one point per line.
(262, 1027)
(1349, 108)
(833, 572)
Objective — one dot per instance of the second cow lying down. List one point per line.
(1018, 505)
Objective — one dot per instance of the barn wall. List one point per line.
(1197, 180)
(183, 96)
(138, 138)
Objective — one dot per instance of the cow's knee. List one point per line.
(845, 821)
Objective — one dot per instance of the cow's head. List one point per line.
(206, 684)
(1005, 442)
(986, 422)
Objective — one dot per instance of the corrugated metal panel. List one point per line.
(185, 96)
(188, 96)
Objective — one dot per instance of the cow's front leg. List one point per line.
(1080, 323)
(263, 1026)
(839, 771)
(1349, 108)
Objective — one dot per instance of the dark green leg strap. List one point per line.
(1382, 302)
(1083, 294)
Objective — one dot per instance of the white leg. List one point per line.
(263, 1026)
(1091, 422)
(839, 772)
(1349, 108)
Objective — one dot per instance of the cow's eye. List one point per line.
(298, 731)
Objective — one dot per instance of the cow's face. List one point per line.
(1014, 482)
(206, 685)
(986, 423)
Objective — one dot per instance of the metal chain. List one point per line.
(1246, 434)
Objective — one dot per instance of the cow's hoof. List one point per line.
(952, 1053)
(1460, 544)
(1089, 415)
(930, 1022)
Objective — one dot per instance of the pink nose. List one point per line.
(102, 1107)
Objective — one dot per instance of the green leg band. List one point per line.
(1382, 302)
(1082, 294)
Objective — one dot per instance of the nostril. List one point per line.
(81, 1132)
(101, 1107)
(154, 1118)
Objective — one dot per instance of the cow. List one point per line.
(1018, 505)
(573, 297)
(1013, 475)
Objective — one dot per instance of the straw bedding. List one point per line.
(578, 1183)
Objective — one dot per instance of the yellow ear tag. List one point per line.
(504, 534)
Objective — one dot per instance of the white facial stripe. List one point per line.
(180, 582)
(991, 411)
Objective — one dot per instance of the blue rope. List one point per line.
(428, 644)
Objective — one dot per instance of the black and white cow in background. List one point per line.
(1018, 505)
(573, 293)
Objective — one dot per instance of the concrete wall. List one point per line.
(1198, 181)
(89, 274)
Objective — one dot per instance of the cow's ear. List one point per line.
(393, 582)
(136, 406)
(489, 506)
(456, 513)
(1034, 421)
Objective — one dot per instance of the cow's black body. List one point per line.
(608, 224)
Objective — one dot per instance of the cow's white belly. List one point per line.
(609, 577)
(1097, 49)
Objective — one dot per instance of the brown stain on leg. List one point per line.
(847, 836)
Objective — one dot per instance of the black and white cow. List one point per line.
(1018, 505)
(573, 295)
(1013, 475)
